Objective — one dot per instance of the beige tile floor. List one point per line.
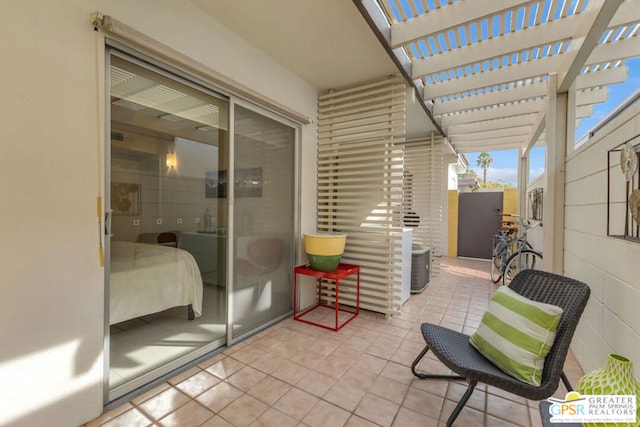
(295, 374)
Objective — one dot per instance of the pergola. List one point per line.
(488, 70)
(497, 74)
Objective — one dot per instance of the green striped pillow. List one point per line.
(516, 334)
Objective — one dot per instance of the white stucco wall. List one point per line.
(611, 322)
(52, 288)
(452, 176)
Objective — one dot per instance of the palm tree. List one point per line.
(484, 161)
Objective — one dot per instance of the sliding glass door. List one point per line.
(168, 223)
(201, 221)
(263, 218)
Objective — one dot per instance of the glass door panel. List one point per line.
(168, 248)
(263, 218)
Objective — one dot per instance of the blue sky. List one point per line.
(505, 162)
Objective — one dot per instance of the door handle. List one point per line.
(107, 222)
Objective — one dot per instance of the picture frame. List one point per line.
(247, 183)
(535, 204)
(125, 198)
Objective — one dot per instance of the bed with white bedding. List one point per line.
(147, 278)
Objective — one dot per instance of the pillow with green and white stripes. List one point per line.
(516, 334)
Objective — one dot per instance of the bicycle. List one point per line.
(500, 253)
(513, 253)
(524, 258)
(504, 243)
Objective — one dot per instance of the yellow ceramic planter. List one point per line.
(324, 250)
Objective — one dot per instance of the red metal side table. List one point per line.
(343, 270)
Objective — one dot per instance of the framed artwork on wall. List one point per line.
(623, 190)
(535, 204)
(125, 198)
(247, 183)
(215, 184)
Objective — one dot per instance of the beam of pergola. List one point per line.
(510, 95)
(515, 109)
(501, 123)
(518, 72)
(508, 132)
(487, 99)
(614, 51)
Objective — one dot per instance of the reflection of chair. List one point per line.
(255, 286)
(264, 256)
(454, 350)
(166, 238)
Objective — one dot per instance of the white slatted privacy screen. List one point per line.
(360, 186)
(424, 194)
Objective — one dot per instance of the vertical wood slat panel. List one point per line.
(360, 187)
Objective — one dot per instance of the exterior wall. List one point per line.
(452, 224)
(452, 167)
(452, 176)
(52, 290)
(611, 323)
(510, 200)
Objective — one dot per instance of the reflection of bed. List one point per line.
(146, 279)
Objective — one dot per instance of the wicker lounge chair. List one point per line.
(453, 349)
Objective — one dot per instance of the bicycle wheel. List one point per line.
(496, 275)
(497, 260)
(523, 260)
(523, 244)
